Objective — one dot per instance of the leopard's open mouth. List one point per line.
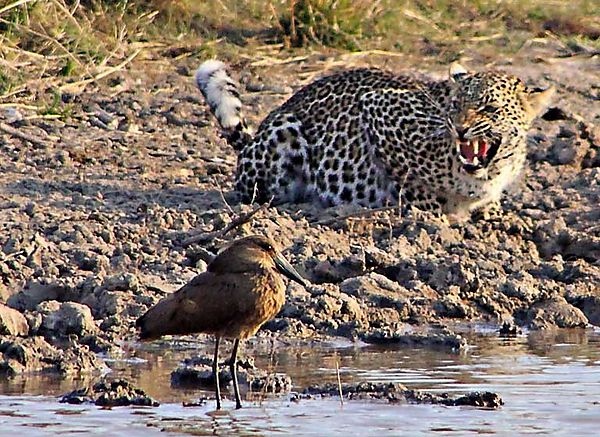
(476, 153)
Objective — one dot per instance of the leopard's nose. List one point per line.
(460, 132)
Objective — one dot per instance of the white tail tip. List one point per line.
(221, 93)
(206, 70)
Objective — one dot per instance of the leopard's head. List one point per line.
(491, 113)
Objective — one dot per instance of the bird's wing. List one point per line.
(208, 303)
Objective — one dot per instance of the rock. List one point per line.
(563, 151)
(270, 383)
(292, 328)
(197, 372)
(77, 397)
(328, 305)
(116, 393)
(122, 282)
(34, 355)
(377, 290)
(587, 299)
(590, 306)
(34, 320)
(106, 303)
(91, 261)
(555, 237)
(453, 273)
(66, 318)
(121, 393)
(385, 318)
(100, 344)
(336, 271)
(36, 292)
(392, 392)
(397, 393)
(478, 399)
(78, 359)
(25, 355)
(451, 341)
(521, 285)
(351, 307)
(509, 329)
(12, 322)
(451, 306)
(555, 312)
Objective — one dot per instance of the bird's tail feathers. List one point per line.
(158, 320)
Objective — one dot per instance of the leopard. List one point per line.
(375, 138)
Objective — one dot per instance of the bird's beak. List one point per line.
(287, 270)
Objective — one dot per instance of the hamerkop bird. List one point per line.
(241, 289)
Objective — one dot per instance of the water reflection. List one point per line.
(550, 383)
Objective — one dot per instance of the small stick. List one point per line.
(19, 105)
(227, 205)
(268, 61)
(254, 192)
(22, 135)
(14, 5)
(242, 219)
(70, 16)
(339, 381)
(101, 75)
(372, 52)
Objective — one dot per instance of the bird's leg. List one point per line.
(233, 367)
(216, 373)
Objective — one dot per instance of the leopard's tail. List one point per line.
(223, 98)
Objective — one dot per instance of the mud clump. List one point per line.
(197, 372)
(555, 312)
(66, 318)
(117, 393)
(12, 322)
(434, 340)
(36, 355)
(398, 393)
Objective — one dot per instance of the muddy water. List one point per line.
(550, 384)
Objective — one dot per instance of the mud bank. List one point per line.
(97, 219)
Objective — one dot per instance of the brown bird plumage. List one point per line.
(240, 291)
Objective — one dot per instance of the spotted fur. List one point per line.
(373, 138)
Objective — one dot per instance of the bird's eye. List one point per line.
(266, 246)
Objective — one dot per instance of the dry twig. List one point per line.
(339, 380)
(269, 61)
(68, 13)
(22, 135)
(239, 221)
(82, 83)
(14, 5)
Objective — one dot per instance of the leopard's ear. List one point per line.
(537, 100)
(456, 70)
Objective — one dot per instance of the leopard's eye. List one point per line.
(489, 108)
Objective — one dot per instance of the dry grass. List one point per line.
(51, 44)
(46, 44)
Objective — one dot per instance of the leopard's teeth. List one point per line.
(475, 144)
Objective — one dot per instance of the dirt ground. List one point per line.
(96, 212)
